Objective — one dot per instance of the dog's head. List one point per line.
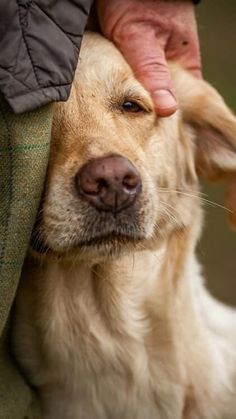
(120, 177)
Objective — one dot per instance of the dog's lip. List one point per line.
(108, 238)
(41, 247)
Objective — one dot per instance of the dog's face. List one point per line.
(118, 176)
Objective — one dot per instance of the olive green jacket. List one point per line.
(24, 147)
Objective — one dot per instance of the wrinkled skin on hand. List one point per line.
(149, 32)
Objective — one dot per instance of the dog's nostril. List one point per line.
(110, 183)
(131, 182)
(103, 184)
(90, 185)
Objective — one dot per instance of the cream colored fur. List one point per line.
(125, 329)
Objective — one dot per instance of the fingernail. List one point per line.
(164, 102)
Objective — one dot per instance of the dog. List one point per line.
(112, 317)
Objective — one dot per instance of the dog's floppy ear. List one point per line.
(214, 129)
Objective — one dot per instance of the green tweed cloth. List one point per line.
(24, 148)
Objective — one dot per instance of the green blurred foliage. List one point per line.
(217, 249)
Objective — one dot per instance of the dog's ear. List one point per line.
(214, 130)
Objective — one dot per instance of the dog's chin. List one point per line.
(108, 246)
(101, 246)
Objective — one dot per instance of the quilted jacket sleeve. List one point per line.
(39, 47)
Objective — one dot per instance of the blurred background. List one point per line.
(217, 249)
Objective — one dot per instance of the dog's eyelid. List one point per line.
(143, 104)
(131, 106)
(137, 100)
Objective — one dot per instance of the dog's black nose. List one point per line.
(109, 183)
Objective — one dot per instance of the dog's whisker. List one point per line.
(170, 215)
(190, 195)
(196, 192)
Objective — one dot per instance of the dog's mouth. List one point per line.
(89, 232)
(110, 241)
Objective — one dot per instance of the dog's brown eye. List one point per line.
(129, 106)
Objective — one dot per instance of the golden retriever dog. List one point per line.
(112, 319)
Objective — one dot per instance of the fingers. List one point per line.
(145, 54)
(148, 33)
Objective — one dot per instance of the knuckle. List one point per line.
(154, 74)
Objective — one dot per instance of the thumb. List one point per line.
(145, 54)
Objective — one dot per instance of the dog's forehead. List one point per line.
(100, 59)
(102, 72)
(95, 49)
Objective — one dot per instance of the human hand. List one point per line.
(149, 32)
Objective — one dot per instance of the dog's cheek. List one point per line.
(59, 217)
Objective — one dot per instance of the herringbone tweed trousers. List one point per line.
(24, 149)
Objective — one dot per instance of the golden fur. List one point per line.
(113, 319)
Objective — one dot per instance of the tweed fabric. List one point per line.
(24, 148)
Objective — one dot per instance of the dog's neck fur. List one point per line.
(127, 315)
(118, 299)
(141, 279)
(129, 296)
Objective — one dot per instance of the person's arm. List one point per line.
(39, 49)
(148, 33)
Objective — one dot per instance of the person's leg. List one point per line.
(24, 149)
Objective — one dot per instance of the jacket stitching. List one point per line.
(40, 89)
(17, 58)
(26, 44)
(19, 48)
(14, 77)
(58, 26)
(29, 88)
